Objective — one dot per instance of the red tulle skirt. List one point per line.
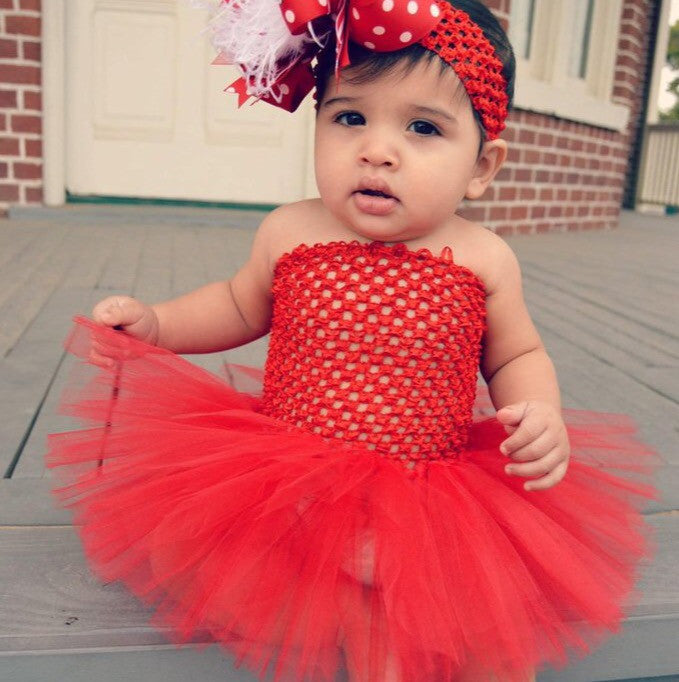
(303, 556)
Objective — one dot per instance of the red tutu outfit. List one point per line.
(358, 495)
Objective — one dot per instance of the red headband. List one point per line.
(383, 26)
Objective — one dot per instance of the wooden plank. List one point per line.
(125, 664)
(28, 373)
(29, 502)
(188, 271)
(120, 271)
(153, 282)
(54, 604)
(15, 240)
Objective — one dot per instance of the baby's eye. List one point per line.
(350, 118)
(424, 128)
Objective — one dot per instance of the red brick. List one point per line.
(518, 212)
(545, 140)
(474, 213)
(8, 49)
(26, 124)
(504, 174)
(527, 137)
(8, 99)
(538, 211)
(546, 194)
(4, 170)
(33, 148)
(527, 193)
(522, 175)
(532, 157)
(9, 146)
(565, 160)
(508, 194)
(32, 50)
(3, 122)
(32, 100)
(30, 5)
(498, 213)
(9, 192)
(33, 195)
(504, 231)
(15, 73)
(524, 229)
(555, 211)
(27, 171)
(542, 176)
(550, 158)
(513, 155)
(22, 25)
(6, 4)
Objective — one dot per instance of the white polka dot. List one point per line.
(369, 45)
(379, 30)
(405, 36)
(289, 16)
(435, 11)
(285, 90)
(357, 16)
(412, 7)
(322, 3)
(388, 5)
(231, 89)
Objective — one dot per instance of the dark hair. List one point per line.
(367, 64)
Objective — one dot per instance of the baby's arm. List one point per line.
(215, 317)
(521, 379)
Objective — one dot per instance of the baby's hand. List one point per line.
(538, 444)
(127, 314)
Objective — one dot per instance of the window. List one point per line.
(580, 37)
(566, 52)
(521, 27)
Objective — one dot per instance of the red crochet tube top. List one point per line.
(376, 344)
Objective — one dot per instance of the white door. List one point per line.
(146, 114)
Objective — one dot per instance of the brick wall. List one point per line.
(559, 174)
(565, 175)
(20, 102)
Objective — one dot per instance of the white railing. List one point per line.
(659, 172)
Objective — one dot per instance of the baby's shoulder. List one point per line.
(485, 253)
(289, 225)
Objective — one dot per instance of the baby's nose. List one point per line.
(378, 151)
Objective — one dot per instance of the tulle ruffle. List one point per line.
(302, 555)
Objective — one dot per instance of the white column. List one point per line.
(53, 104)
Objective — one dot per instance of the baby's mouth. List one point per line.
(375, 193)
(374, 202)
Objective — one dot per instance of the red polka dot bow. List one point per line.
(380, 25)
(274, 45)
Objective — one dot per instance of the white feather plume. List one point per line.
(253, 35)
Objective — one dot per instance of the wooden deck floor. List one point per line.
(605, 303)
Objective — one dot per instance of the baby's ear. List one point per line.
(491, 158)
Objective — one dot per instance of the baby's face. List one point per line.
(396, 155)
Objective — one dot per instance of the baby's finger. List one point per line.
(531, 427)
(537, 467)
(118, 311)
(548, 481)
(99, 360)
(535, 449)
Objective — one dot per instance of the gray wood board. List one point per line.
(53, 603)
